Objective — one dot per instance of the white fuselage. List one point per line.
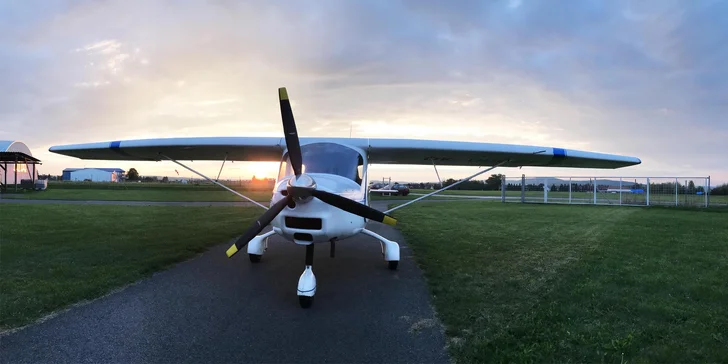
(315, 221)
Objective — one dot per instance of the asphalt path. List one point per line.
(220, 310)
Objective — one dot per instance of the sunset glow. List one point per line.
(624, 78)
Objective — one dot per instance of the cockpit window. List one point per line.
(327, 158)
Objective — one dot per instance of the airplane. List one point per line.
(320, 194)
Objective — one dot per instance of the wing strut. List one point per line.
(215, 182)
(443, 189)
(438, 174)
(223, 165)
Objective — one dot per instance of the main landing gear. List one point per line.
(390, 249)
(258, 245)
(307, 281)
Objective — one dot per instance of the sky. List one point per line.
(638, 78)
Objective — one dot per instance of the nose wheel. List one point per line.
(305, 301)
(307, 282)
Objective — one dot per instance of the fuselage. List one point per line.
(335, 168)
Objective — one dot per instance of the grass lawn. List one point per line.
(52, 256)
(602, 198)
(580, 284)
(170, 194)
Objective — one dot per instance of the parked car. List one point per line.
(402, 189)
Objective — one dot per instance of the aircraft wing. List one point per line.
(380, 151)
(450, 153)
(261, 149)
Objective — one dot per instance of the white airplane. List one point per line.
(320, 194)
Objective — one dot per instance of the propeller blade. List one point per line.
(289, 129)
(258, 226)
(353, 207)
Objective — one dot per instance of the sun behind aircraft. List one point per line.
(320, 194)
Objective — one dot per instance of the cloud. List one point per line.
(637, 78)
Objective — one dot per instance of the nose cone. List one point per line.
(302, 180)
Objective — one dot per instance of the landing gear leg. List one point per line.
(307, 281)
(258, 245)
(390, 249)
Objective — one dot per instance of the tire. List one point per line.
(305, 301)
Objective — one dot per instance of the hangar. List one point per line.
(17, 165)
(93, 174)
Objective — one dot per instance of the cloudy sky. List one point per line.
(639, 78)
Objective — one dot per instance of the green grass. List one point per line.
(579, 284)
(52, 256)
(655, 198)
(142, 195)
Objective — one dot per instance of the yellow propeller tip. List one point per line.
(389, 220)
(282, 93)
(231, 251)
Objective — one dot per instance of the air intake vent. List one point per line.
(303, 236)
(303, 223)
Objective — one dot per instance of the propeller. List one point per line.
(302, 189)
(258, 225)
(289, 129)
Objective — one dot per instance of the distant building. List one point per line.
(93, 174)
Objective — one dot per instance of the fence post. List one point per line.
(595, 190)
(503, 189)
(523, 188)
(676, 199)
(707, 196)
(620, 191)
(648, 191)
(569, 190)
(545, 189)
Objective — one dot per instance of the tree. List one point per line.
(494, 182)
(720, 190)
(132, 175)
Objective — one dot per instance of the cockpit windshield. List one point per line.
(327, 158)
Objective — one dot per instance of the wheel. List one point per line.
(305, 301)
(255, 258)
(392, 264)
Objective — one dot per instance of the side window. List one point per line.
(360, 170)
(282, 169)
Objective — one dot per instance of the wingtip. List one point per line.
(282, 93)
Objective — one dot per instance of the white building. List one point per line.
(93, 174)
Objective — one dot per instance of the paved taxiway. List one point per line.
(220, 310)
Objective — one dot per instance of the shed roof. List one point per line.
(11, 157)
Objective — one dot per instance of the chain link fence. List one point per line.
(628, 191)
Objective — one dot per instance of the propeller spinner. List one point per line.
(302, 187)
